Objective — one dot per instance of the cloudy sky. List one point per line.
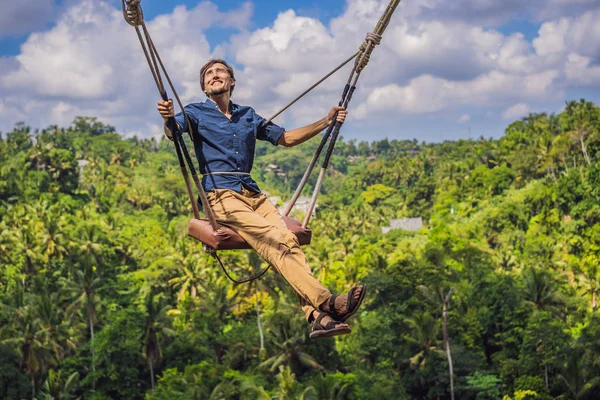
(445, 69)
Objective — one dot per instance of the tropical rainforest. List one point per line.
(103, 296)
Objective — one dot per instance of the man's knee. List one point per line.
(291, 239)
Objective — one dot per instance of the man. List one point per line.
(224, 136)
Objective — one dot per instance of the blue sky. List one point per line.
(444, 70)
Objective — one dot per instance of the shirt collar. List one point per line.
(210, 103)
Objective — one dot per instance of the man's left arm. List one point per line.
(297, 136)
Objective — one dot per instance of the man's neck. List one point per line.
(222, 101)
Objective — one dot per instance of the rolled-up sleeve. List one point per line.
(269, 132)
(182, 121)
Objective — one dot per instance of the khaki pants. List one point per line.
(256, 220)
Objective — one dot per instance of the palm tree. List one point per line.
(191, 279)
(574, 379)
(56, 387)
(590, 283)
(54, 240)
(287, 336)
(84, 287)
(90, 241)
(48, 309)
(156, 327)
(189, 266)
(540, 291)
(322, 388)
(424, 332)
(441, 298)
(23, 236)
(25, 333)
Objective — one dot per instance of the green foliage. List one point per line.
(528, 385)
(103, 296)
(120, 368)
(485, 386)
(14, 383)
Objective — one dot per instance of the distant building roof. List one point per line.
(407, 224)
(302, 205)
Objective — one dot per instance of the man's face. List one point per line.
(217, 80)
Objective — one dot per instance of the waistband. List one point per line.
(227, 173)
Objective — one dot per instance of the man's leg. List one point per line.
(264, 208)
(267, 210)
(271, 240)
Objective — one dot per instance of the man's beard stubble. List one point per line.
(217, 92)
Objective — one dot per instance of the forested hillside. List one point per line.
(103, 296)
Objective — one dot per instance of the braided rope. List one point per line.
(132, 11)
(372, 40)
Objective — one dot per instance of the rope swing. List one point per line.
(214, 236)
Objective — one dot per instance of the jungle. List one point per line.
(494, 296)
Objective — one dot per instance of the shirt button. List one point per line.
(237, 152)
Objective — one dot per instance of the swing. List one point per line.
(208, 231)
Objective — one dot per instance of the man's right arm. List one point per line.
(166, 110)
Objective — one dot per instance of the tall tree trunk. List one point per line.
(151, 366)
(546, 375)
(32, 386)
(91, 324)
(260, 331)
(565, 164)
(583, 149)
(594, 300)
(447, 346)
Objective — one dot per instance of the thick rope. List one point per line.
(250, 279)
(132, 11)
(134, 16)
(291, 103)
(372, 40)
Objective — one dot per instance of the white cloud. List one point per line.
(579, 71)
(566, 35)
(435, 56)
(517, 111)
(426, 94)
(90, 63)
(464, 118)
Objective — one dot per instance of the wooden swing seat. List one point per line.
(226, 238)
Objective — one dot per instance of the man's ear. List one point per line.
(232, 81)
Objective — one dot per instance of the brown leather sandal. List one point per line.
(330, 329)
(352, 304)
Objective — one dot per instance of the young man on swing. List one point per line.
(224, 136)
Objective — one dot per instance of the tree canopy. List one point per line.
(102, 295)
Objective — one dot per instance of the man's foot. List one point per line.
(343, 307)
(324, 326)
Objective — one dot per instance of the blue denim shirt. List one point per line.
(226, 145)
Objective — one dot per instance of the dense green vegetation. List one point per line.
(104, 297)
